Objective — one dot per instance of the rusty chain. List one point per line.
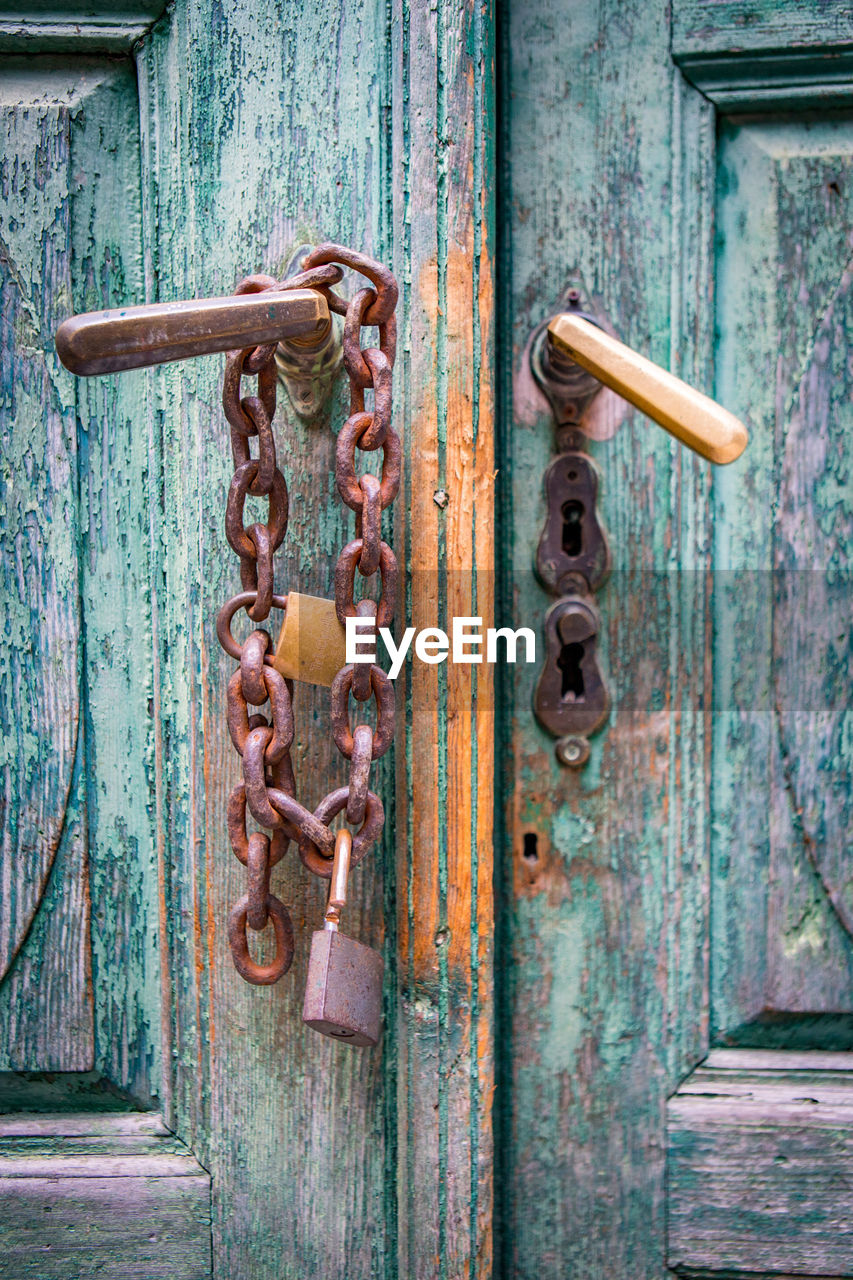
(263, 741)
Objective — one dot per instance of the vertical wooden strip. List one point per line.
(116, 590)
(443, 109)
(268, 135)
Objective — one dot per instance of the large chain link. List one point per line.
(263, 741)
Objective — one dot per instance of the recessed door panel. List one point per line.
(782, 881)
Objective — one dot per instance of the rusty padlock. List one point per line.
(343, 994)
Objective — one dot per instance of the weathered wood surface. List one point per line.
(263, 128)
(43, 822)
(444, 153)
(760, 1168)
(759, 26)
(60, 1124)
(99, 26)
(782, 882)
(71, 1001)
(603, 954)
(108, 1196)
(759, 56)
(608, 916)
(117, 488)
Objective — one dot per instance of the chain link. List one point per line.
(263, 741)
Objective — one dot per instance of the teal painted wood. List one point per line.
(116, 591)
(782, 812)
(258, 134)
(108, 1196)
(605, 969)
(63, 26)
(40, 705)
(766, 56)
(263, 128)
(110, 1019)
(759, 1165)
(606, 1002)
(755, 27)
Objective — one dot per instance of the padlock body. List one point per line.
(343, 995)
(312, 643)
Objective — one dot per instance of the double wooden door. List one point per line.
(618, 999)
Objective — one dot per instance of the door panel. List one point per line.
(42, 790)
(782, 896)
(78, 848)
(759, 1152)
(690, 885)
(606, 924)
(246, 132)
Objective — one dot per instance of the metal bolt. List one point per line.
(441, 498)
(572, 751)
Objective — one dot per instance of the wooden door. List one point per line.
(675, 919)
(638, 1061)
(160, 1117)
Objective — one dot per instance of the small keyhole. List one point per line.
(531, 851)
(569, 663)
(572, 512)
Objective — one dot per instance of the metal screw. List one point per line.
(572, 751)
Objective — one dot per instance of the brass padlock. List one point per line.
(312, 643)
(343, 995)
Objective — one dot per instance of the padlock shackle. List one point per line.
(338, 883)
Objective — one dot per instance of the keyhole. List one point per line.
(569, 663)
(572, 512)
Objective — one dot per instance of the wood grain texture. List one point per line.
(603, 944)
(258, 133)
(767, 55)
(444, 153)
(782, 897)
(759, 1168)
(263, 128)
(108, 1196)
(43, 817)
(757, 26)
(72, 1002)
(116, 486)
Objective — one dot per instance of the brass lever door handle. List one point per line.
(133, 337)
(687, 414)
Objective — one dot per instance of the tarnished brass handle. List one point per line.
(133, 337)
(690, 416)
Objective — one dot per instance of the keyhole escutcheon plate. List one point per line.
(573, 539)
(571, 697)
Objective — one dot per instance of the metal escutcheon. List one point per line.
(571, 698)
(573, 539)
